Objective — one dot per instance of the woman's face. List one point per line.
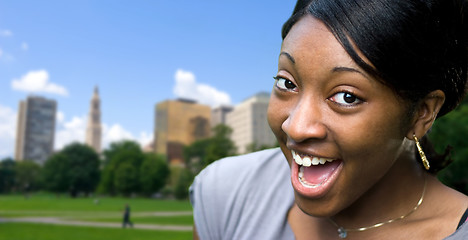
(343, 126)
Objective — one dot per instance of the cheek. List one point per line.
(276, 115)
(376, 136)
(369, 149)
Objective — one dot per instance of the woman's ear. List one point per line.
(425, 114)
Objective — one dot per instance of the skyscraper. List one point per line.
(249, 123)
(93, 130)
(35, 129)
(178, 124)
(218, 115)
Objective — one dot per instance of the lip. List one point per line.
(319, 190)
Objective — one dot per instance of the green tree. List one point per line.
(465, 101)
(452, 130)
(118, 153)
(84, 168)
(182, 184)
(106, 185)
(77, 165)
(124, 147)
(126, 179)
(7, 175)
(253, 147)
(55, 173)
(195, 155)
(221, 144)
(28, 176)
(174, 174)
(205, 151)
(154, 172)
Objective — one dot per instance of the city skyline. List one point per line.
(93, 126)
(138, 54)
(35, 129)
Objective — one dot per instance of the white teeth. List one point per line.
(308, 161)
(297, 158)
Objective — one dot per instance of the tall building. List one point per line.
(93, 130)
(179, 123)
(35, 129)
(249, 123)
(218, 115)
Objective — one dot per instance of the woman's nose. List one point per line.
(305, 122)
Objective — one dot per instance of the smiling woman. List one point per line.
(359, 82)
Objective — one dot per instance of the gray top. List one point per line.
(244, 197)
(460, 234)
(248, 197)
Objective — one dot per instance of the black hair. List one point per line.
(415, 46)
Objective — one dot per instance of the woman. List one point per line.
(359, 84)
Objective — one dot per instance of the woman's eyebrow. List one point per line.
(348, 69)
(288, 56)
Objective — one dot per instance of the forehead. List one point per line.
(310, 41)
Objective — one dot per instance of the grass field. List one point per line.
(44, 201)
(26, 231)
(102, 209)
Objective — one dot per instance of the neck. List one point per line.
(394, 195)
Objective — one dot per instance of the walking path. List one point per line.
(99, 214)
(64, 221)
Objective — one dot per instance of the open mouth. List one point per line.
(313, 176)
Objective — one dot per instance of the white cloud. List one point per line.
(74, 130)
(145, 138)
(68, 132)
(7, 131)
(24, 46)
(187, 87)
(1, 52)
(6, 33)
(60, 117)
(115, 133)
(37, 81)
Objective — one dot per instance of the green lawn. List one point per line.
(49, 202)
(109, 210)
(26, 231)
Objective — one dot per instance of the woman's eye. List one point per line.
(346, 99)
(285, 84)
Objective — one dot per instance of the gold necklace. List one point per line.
(343, 232)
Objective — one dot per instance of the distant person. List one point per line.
(126, 217)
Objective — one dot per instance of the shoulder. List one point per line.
(445, 208)
(461, 233)
(234, 194)
(246, 164)
(240, 174)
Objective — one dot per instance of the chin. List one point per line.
(317, 207)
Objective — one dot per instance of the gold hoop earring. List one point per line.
(421, 153)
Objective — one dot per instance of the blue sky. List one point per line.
(138, 53)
